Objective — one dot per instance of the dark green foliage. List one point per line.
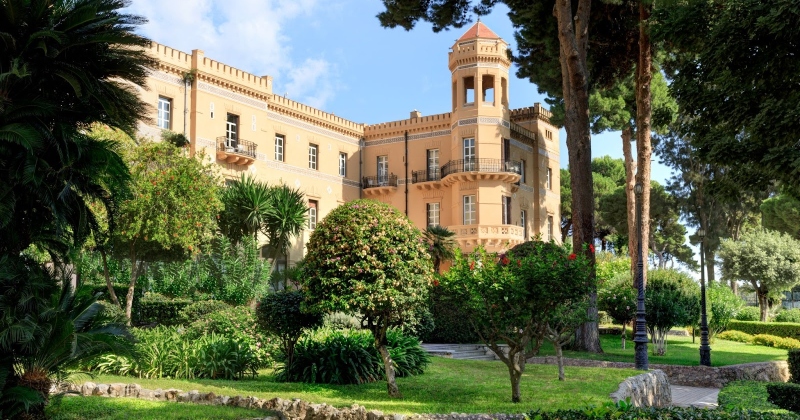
(451, 324)
(746, 395)
(349, 357)
(158, 309)
(281, 314)
(176, 139)
(199, 310)
(748, 313)
(782, 213)
(723, 305)
(780, 329)
(623, 411)
(240, 324)
(794, 365)
(785, 395)
(672, 299)
(617, 297)
(788, 315)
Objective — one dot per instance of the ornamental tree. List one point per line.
(512, 301)
(366, 258)
(672, 299)
(768, 260)
(172, 209)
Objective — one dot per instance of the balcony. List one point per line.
(493, 237)
(378, 185)
(239, 152)
(427, 180)
(466, 170)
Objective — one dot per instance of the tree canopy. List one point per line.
(782, 213)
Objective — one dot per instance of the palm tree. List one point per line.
(245, 206)
(285, 219)
(441, 244)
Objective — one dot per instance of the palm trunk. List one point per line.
(630, 182)
(573, 32)
(111, 292)
(643, 115)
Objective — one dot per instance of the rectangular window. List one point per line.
(549, 228)
(470, 215)
(211, 110)
(433, 214)
(312, 214)
(469, 90)
(523, 221)
(342, 164)
(232, 131)
(506, 217)
(280, 141)
(548, 181)
(313, 151)
(469, 154)
(383, 170)
(548, 134)
(522, 171)
(433, 164)
(164, 113)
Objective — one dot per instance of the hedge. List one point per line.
(780, 329)
(794, 366)
(785, 395)
(625, 412)
(154, 308)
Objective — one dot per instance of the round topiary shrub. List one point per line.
(281, 314)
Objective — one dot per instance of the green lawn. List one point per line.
(447, 386)
(750, 395)
(680, 351)
(99, 408)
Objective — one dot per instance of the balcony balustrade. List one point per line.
(491, 237)
(380, 184)
(236, 151)
(427, 180)
(480, 169)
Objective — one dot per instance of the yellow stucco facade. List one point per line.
(486, 172)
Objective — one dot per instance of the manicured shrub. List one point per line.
(775, 341)
(723, 306)
(281, 315)
(781, 329)
(238, 323)
(198, 310)
(450, 322)
(738, 336)
(748, 313)
(785, 395)
(157, 309)
(672, 299)
(794, 365)
(788, 315)
(349, 357)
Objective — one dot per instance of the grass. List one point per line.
(680, 351)
(447, 386)
(749, 395)
(99, 408)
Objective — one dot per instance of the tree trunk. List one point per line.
(110, 286)
(763, 303)
(710, 265)
(516, 365)
(735, 287)
(135, 267)
(643, 114)
(388, 365)
(573, 34)
(630, 182)
(560, 358)
(565, 231)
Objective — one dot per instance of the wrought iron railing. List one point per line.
(433, 174)
(379, 181)
(236, 146)
(480, 165)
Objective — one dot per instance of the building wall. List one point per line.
(218, 89)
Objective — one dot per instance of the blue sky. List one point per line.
(334, 55)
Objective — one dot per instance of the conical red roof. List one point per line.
(478, 30)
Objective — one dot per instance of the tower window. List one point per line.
(469, 90)
(504, 89)
(487, 87)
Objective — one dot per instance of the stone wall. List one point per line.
(650, 389)
(699, 376)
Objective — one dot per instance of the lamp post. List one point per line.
(705, 350)
(640, 334)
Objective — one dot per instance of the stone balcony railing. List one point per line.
(475, 169)
(237, 151)
(491, 237)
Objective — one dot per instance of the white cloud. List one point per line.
(246, 34)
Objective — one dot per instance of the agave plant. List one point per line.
(245, 206)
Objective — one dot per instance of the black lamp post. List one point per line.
(705, 350)
(640, 333)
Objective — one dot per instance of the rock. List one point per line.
(209, 397)
(88, 388)
(116, 390)
(101, 390)
(133, 390)
(194, 395)
(171, 394)
(650, 389)
(147, 394)
(374, 415)
(182, 397)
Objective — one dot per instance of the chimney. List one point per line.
(416, 114)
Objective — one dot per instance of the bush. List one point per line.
(781, 329)
(748, 313)
(239, 324)
(157, 309)
(111, 313)
(724, 305)
(777, 342)
(623, 411)
(789, 315)
(349, 357)
(450, 321)
(198, 310)
(785, 395)
(672, 299)
(794, 365)
(281, 314)
(617, 298)
(738, 336)
(341, 321)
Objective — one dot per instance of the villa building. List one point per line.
(488, 173)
